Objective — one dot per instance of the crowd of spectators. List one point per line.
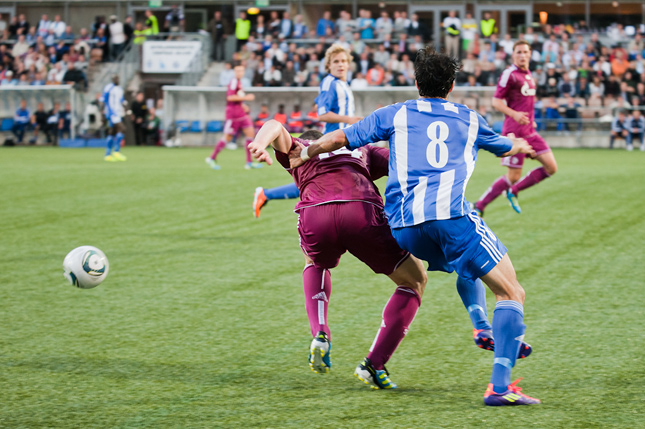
(566, 60)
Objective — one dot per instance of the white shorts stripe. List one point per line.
(486, 242)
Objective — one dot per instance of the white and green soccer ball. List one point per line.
(86, 267)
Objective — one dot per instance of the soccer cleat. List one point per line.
(512, 396)
(259, 201)
(375, 378)
(484, 340)
(212, 164)
(119, 157)
(320, 353)
(512, 200)
(250, 165)
(109, 158)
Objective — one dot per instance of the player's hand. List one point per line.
(354, 119)
(522, 146)
(250, 97)
(260, 153)
(294, 156)
(521, 118)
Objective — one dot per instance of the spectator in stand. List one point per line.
(596, 89)
(242, 30)
(20, 121)
(21, 47)
(364, 63)
(286, 25)
(139, 113)
(58, 26)
(638, 99)
(376, 75)
(295, 123)
(619, 64)
(75, 77)
(582, 88)
(128, 29)
(365, 24)
(416, 28)
(151, 22)
(175, 20)
(262, 118)
(469, 29)
(23, 25)
(571, 112)
(323, 24)
(384, 26)
(8, 79)
(618, 129)
(566, 87)
(68, 34)
(507, 44)
(289, 74)
(153, 126)
(345, 26)
(117, 37)
(32, 36)
(299, 28)
(65, 122)
(452, 28)
(226, 75)
(636, 128)
(486, 53)
(488, 25)
(100, 50)
(551, 112)
(357, 45)
(260, 30)
(612, 87)
(43, 26)
(274, 24)
(359, 82)
(272, 76)
(281, 116)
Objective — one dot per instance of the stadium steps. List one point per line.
(211, 77)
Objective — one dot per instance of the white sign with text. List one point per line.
(169, 57)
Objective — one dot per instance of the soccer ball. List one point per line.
(86, 267)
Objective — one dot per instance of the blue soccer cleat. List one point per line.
(320, 354)
(212, 164)
(375, 378)
(512, 396)
(484, 340)
(512, 200)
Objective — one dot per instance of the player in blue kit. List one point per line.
(335, 108)
(114, 113)
(433, 151)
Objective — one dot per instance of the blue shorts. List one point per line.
(465, 245)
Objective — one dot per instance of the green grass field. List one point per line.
(201, 321)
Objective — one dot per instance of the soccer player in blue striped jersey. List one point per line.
(433, 151)
(335, 108)
(114, 112)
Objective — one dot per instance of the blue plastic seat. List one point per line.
(196, 127)
(7, 124)
(182, 125)
(214, 126)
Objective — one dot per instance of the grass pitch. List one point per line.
(201, 321)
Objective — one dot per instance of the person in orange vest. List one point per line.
(262, 117)
(295, 122)
(281, 116)
(311, 120)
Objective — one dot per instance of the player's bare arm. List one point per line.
(521, 118)
(336, 118)
(328, 143)
(274, 134)
(520, 146)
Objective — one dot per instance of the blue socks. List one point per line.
(118, 140)
(108, 148)
(508, 328)
(285, 192)
(473, 295)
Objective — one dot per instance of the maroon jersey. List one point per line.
(234, 109)
(517, 87)
(338, 176)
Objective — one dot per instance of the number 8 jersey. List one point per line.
(433, 150)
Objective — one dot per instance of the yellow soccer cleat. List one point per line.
(119, 157)
(109, 158)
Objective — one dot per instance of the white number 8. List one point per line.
(438, 134)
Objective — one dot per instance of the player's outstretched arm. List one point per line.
(332, 117)
(327, 143)
(274, 134)
(520, 146)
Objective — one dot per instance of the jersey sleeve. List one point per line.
(327, 100)
(489, 140)
(283, 158)
(504, 85)
(378, 161)
(371, 129)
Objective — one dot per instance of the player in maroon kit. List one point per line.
(515, 97)
(340, 210)
(237, 118)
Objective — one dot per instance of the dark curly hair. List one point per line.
(435, 72)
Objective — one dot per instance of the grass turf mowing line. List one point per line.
(200, 322)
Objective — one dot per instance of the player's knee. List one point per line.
(551, 168)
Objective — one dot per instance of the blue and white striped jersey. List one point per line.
(337, 97)
(433, 150)
(113, 101)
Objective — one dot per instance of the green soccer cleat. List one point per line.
(320, 354)
(512, 200)
(375, 378)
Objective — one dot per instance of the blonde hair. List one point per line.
(334, 49)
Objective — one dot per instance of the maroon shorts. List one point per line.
(536, 141)
(232, 126)
(328, 230)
